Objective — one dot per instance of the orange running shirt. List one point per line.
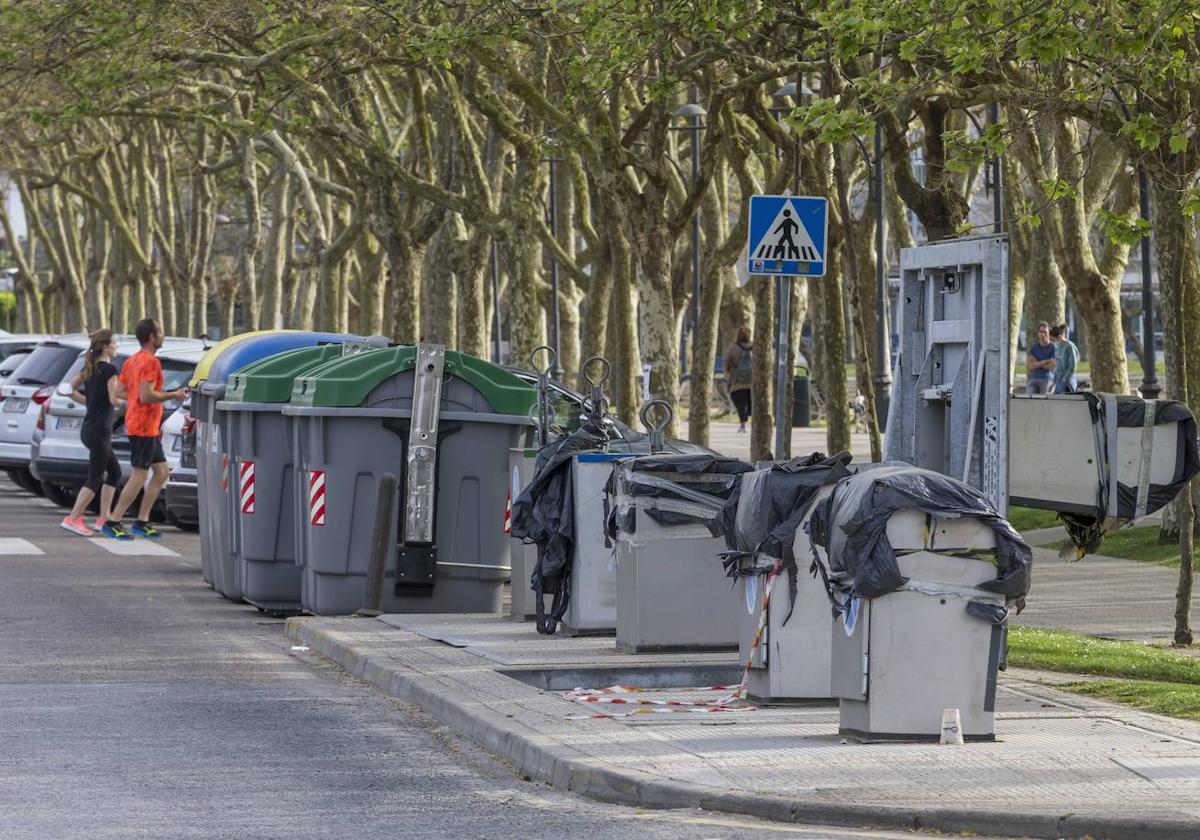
(142, 419)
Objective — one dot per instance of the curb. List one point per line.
(543, 759)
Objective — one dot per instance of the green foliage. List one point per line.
(1123, 229)
(1173, 699)
(1031, 519)
(830, 122)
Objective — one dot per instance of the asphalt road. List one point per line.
(137, 703)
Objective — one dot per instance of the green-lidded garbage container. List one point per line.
(216, 481)
(260, 447)
(801, 404)
(353, 419)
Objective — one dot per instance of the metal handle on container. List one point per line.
(657, 428)
(543, 390)
(597, 400)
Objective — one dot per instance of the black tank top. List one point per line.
(99, 417)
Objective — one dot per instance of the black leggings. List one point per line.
(741, 401)
(101, 460)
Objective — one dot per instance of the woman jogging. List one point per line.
(101, 393)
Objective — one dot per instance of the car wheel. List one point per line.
(24, 479)
(190, 527)
(60, 494)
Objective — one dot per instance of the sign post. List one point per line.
(787, 238)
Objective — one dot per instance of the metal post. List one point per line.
(1149, 387)
(496, 299)
(997, 179)
(695, 235)
(883, 343)
(555, 323)
(783, 327)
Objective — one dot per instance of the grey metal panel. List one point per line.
(949, 403)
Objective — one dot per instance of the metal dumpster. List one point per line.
(443, 424)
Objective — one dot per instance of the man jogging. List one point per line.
(143, 378)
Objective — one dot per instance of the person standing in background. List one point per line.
(1039, 363)
(739, 373)
(1066, 359)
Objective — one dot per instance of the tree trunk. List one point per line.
(657, 316)
(833, 343)
(627, 367)
(1178, 260)
(704, 342)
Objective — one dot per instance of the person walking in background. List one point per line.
(1066, 359)
(97, 387)
(739, 373)
(142, 377)
(1039, 364)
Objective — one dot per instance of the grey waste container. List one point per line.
(353, 421)
(925, 572)
(523, 556)
(592, 607)
(214, 474)
(672, 591)
(262, 521)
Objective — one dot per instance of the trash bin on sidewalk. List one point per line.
(214, 470)
(443, 424)
(672, 592)
(924, 573)
(784, 612)
(592, 606)
(801, 398)
(260, 447)
(523, 556)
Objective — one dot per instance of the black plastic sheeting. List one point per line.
(763, 513)
(851, 525)
(660, 480)
(1088, 531)
(544, 514)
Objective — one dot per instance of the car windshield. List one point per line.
(46, 365)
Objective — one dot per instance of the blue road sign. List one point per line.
(788, 235)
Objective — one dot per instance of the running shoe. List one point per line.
(75, 526)
(115, 531)
(144, 529)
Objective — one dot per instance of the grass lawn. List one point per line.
(1139, 544)
(1154, 679)
(1031, 519)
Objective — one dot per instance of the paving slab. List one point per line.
(1062, 766)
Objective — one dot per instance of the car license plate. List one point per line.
(69, 424)
(12, 405)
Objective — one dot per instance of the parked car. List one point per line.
(22, 396)
(179, 497)
(59, 458)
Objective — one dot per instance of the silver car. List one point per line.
(24, 393)
(59, 458)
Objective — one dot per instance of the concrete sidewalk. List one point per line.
(1062, 766)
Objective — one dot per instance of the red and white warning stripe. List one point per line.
(224, 473)
(316, 497)
(247, 486)
(759, 631)
(508, 514)
(613, 696)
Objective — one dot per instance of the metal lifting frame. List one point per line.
(420, 480)
(949, 409)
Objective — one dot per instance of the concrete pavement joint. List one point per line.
(544, 758)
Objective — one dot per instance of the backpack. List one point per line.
(743, 370)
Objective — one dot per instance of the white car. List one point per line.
(22, 395)
(59, 458)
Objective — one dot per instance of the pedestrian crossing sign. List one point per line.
(788, 235)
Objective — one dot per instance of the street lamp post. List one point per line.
(883, 354)
(496, 299)
(1149, 387)
(555, 319)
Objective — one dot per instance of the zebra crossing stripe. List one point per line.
(316, 497)
(18, 546)
(247, 486)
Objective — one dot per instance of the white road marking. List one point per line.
(16, 545)
(133, 548)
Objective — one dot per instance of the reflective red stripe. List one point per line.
(316, 497)
(247, 486)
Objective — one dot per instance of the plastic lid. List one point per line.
(215, 352)
(267, 343)
(270, 380)
(347, 381)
